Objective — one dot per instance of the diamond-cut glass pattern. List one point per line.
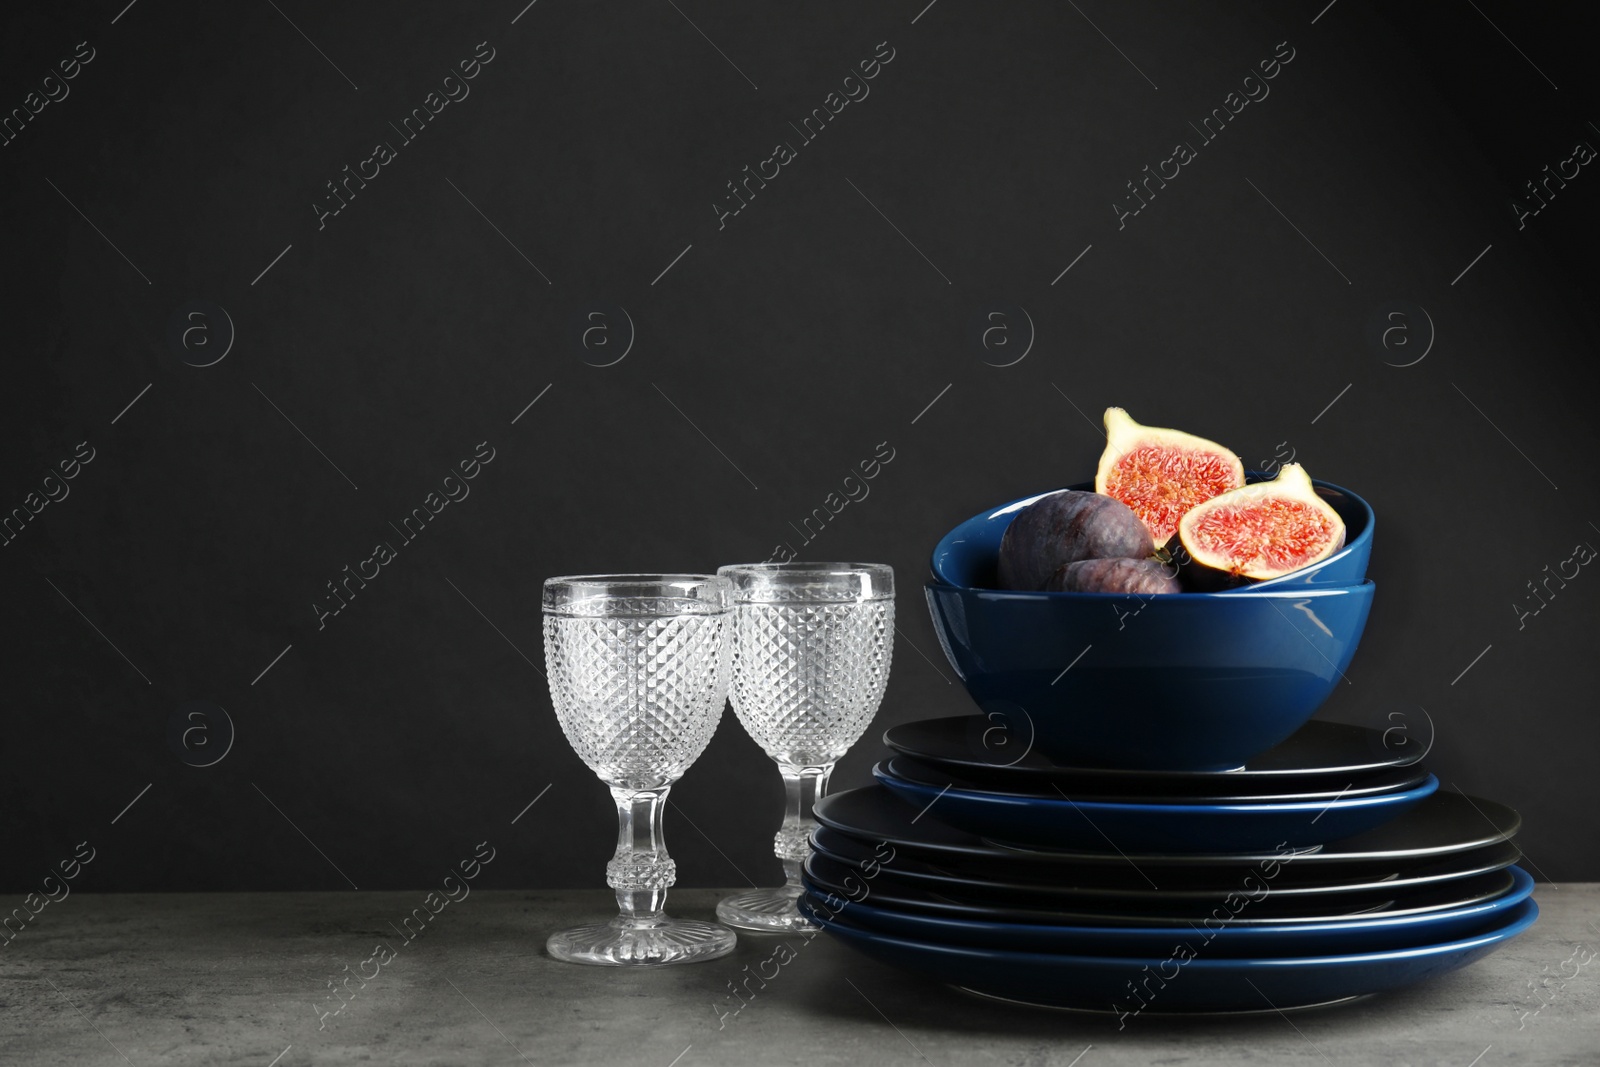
(808, 676)
(639, 694)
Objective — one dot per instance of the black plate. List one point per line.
(1441, 824)
(1187, 883)
(1319, 756)
(910, 769)
(843, 881)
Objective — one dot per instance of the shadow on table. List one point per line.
(857, 989)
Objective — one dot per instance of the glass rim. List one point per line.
(872, 581)
(712, 590)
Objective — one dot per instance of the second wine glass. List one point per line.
(811, 649)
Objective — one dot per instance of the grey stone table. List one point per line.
(245, 979)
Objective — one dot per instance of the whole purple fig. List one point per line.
(1115, 576)
(1064, 528)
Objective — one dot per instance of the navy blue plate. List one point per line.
(997, 749)
(1443, 824)
(1074, 881)
(912, 769)
(1218, 935)
(1177, 980)
(1062, 823)
(984, 903)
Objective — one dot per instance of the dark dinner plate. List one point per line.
(1067, 881)
(1438, 825)
(1251, 903)
(1059, 822)
(1376, 932)
(1384, 783)
(1162, 982)
(1318, 757)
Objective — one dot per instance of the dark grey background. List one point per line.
(776, 353)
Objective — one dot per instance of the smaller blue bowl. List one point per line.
(1063, 823)
(968, 556)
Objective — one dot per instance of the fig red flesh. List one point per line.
(1264, 530)
(1162, 473)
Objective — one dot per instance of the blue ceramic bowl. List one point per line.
(968, 555)
(1181, 681)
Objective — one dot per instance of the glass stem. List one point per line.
(801, 788)
(640, 871)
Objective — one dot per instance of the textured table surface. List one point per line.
(244, 978)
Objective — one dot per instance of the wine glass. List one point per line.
(638, 672)
(811, 649)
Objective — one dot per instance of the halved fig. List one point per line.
(1263, 530)
(1161, 473)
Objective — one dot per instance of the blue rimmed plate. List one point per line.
(912, 769)
(1217, 934)
(1062, 823)
(1180, 979)
(997, 751)
(1445, 824)
(1069, 880)
(981, 902)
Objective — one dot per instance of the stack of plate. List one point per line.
(1326, 869)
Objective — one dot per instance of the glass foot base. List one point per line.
(770, 911)
(620, 944)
